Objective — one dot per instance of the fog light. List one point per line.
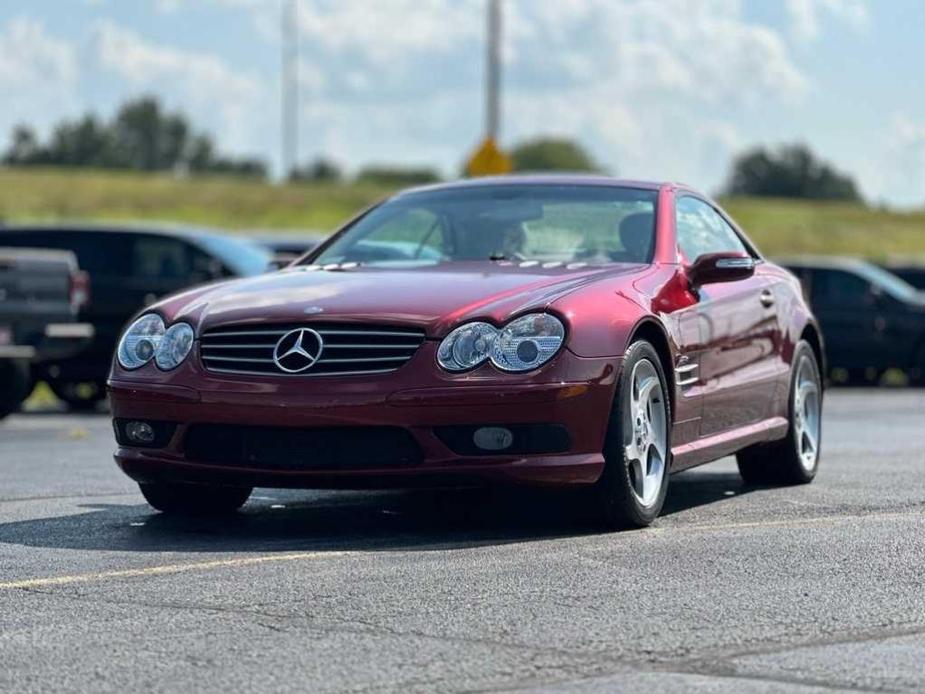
(139, 432)
(493, 438)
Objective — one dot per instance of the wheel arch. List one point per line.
(654, 333)
(812, 335)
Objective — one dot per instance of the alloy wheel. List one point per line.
(807, 414)
(646, 427)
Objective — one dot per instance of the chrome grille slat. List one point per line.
(247, 359)
(372, 346)
(349, 350)
(308, 374)
(348, 361)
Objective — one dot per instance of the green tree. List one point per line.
(141, 136)
(319, 170)
(789, 171)
(397, 176)
(551, 154)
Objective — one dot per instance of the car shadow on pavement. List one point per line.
(276, 520)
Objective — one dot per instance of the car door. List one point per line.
(850, 314)
(741, 361)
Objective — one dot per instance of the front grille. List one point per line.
(347, 350)
(287, 448)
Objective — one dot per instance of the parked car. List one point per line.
(913, 273)
(129, 268)
(41, 292)
(552, 333)
(872, 320)
(287, 247)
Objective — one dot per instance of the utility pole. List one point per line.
(290, 87)
(493, 71)
(487, 159)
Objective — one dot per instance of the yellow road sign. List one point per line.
(488, 160)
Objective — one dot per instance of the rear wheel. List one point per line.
(195, 499)
(632, 488)
(917, 372)
(795, 458)
(81, 396)
(15, 380)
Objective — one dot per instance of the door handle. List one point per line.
(767, 298)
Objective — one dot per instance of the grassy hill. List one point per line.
(777, 226)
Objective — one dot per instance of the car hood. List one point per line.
(434, 298)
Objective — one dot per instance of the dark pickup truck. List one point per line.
(41, 292)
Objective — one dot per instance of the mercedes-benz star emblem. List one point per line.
(298, 350)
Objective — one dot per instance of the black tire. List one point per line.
(79, 396)
(14, 385)
(781, 462)
(917, 370)
(616, 501)
(195, 499)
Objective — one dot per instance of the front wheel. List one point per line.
(195, 499)
(637, 450)
(793, 459)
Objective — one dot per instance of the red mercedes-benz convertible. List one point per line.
(553, 330)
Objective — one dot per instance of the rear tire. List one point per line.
(195, 499)
(793, 459)
(80, 396)
(14, 385)
(917, 372)
(637, 450)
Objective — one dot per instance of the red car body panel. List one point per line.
(727, 352)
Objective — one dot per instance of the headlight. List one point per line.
(527, 342)
(467, 346)
(176, 344)
(140, 342)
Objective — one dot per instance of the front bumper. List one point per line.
(571, 393)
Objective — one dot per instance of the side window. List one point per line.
(702, 230)
(839, 288)
(155, 257)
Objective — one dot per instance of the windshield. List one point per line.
(560, 223)
(893, 285)
(243, 257)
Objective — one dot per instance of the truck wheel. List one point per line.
(80, 396)
(195, 499)
(14, 377)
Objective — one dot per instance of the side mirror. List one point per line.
(711, 268)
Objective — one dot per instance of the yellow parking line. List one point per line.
(168, 569)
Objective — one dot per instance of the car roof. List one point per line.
(160, 229)
(823, 262)
(569, 179)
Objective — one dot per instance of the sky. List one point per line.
(654, 89)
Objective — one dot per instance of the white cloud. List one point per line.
(30, 57)
(806, 16)
(201, 82)
(901, 173)
(38, 75)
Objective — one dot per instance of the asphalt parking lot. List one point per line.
(798, 589)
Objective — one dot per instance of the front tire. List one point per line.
(637, 450)
(195, 499)
(793, 459)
